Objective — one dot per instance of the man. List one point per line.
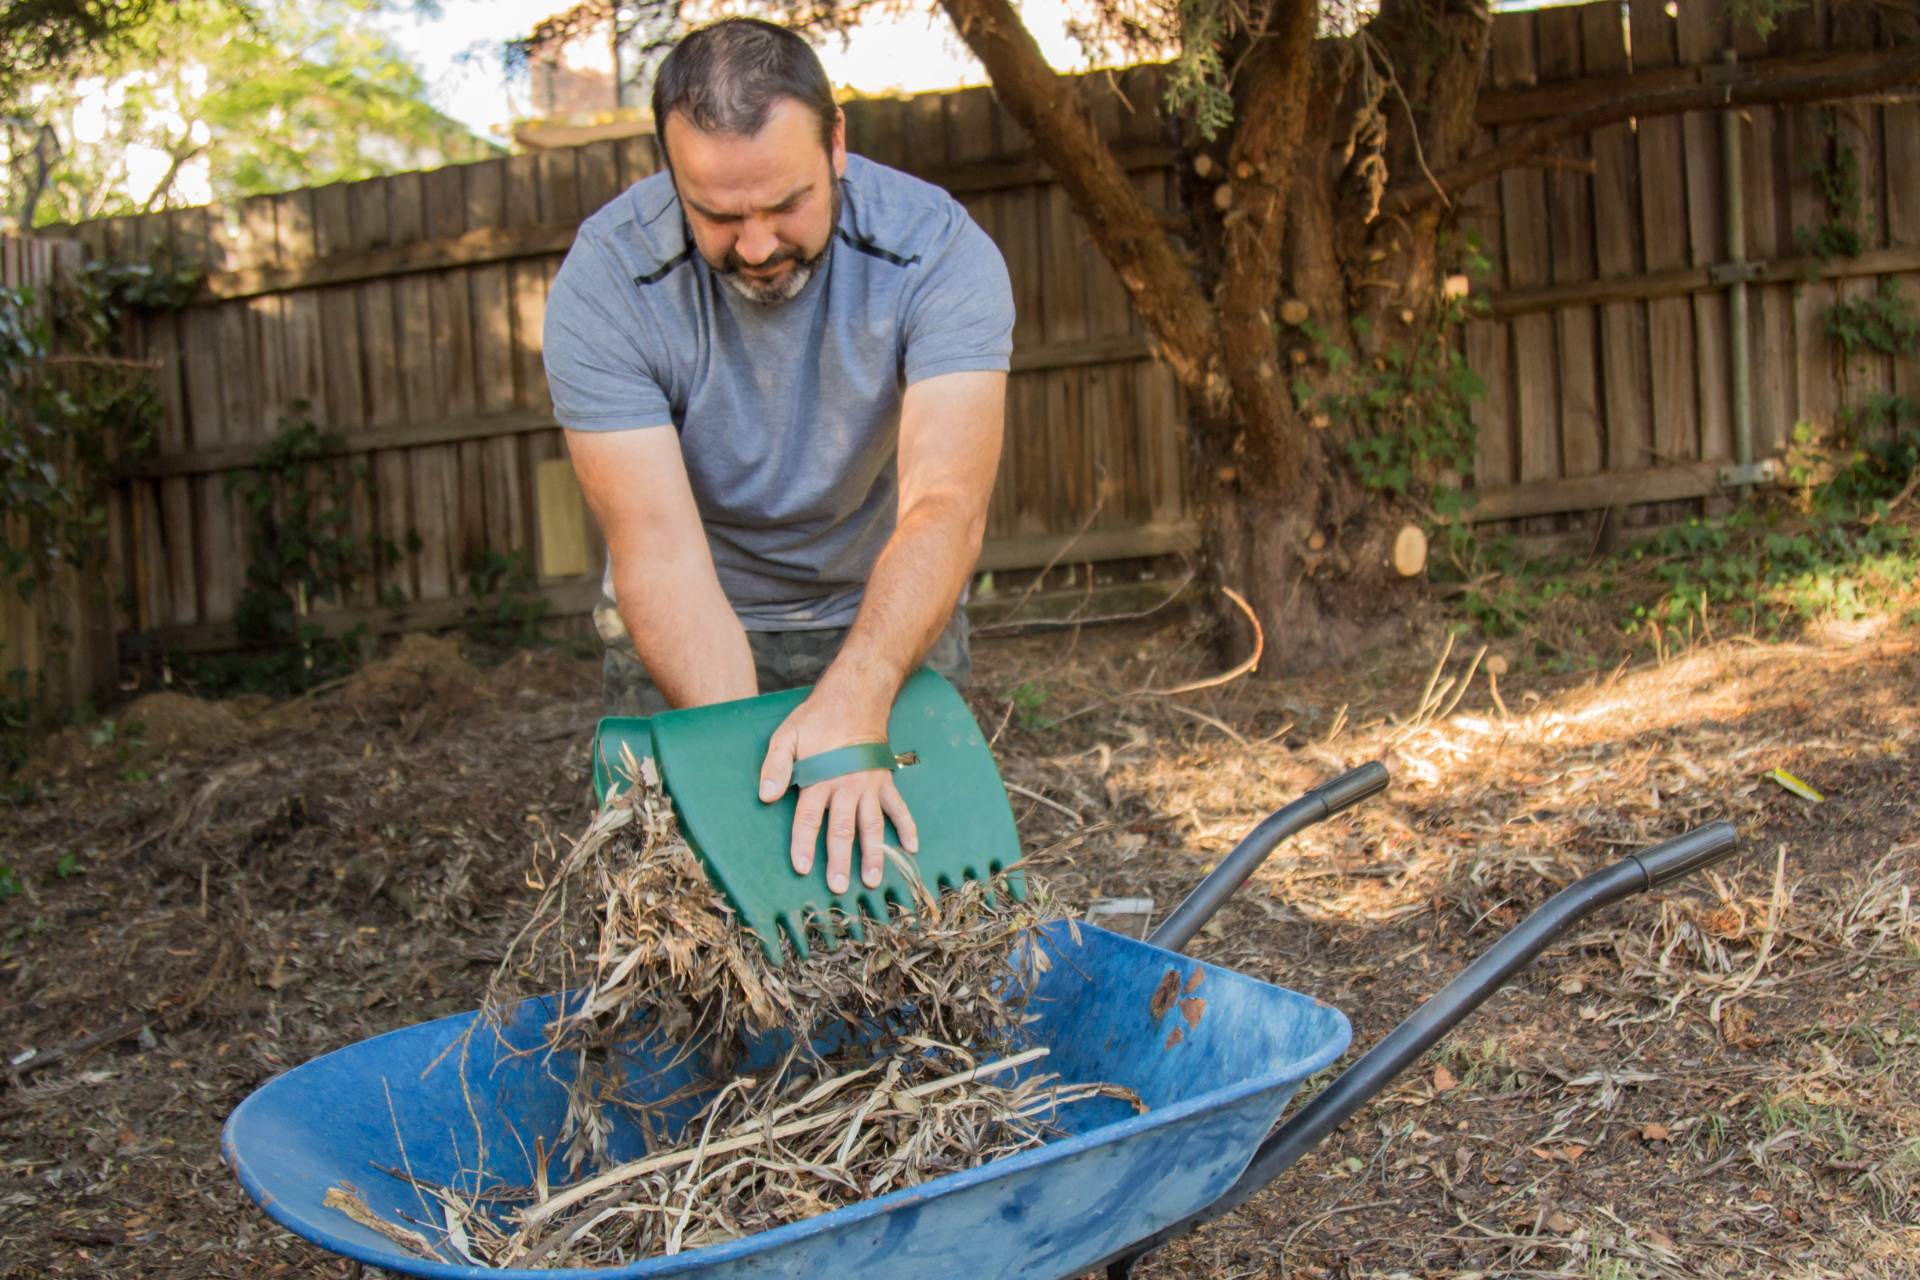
(782, 371)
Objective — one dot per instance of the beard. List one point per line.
(788, 284)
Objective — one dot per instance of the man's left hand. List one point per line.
(849, 804)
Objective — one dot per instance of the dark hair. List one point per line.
(726, 77)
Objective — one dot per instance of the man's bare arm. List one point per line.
(663, 579)
(950, 436)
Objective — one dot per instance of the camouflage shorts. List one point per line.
(781, 660)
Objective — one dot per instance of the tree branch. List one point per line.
(1126, 230)
(1408, 196)
(1278, 76)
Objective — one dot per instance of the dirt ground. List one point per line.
(1716, 1080)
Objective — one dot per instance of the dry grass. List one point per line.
(907, 1045)
(1600, 1121)
(1713, 1081)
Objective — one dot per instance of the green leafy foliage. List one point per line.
(10, 886)
(1027, 700)
(301, 549)
(71, 409)
(39, 35)
(1883, 322)
(1762, 578)
(502, 616)
(224, 98)
(1415, 408)
(1763, 16)
(1408, 409)
(1838, 174)
(1758, 570)
(1197, 78)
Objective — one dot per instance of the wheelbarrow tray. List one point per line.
(1215, 1076)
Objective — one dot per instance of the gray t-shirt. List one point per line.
(789, 412)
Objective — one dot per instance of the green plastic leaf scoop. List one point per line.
(709, 760)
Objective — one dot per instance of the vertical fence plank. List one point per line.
(430, 468)
(1808, 148)
(1769, 308)
(1571, 237)
(599, 176)
(1866, 375)
(1663, 211)
(1513, 63)
(1705, 180)
(490, 297)
(451, 325)
(511, 518)
(1624, 376)
(1902, 166)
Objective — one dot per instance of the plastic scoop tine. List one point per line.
(709, 758)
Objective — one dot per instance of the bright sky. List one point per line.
(459, 53)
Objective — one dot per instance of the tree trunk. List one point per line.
(1292, 526)
(1286, 208)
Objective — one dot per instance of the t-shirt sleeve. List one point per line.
(960, 318)
(596, 349)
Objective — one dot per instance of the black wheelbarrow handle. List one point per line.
(1327, 1110)
(1319, 804)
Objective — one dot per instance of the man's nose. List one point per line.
(757, 242)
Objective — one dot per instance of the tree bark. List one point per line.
(1338, 162)
(1271, 114)
(1126, 230)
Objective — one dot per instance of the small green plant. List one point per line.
(1410, 409)
(72, 408)
(502, 615)
(1027, 699)
(10, 886)
(1883, 322)
(67, 865)
(1838, 174)
(1839, 556)
(301, 550)
(1763, 16)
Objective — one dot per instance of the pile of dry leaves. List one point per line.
(904, 1062)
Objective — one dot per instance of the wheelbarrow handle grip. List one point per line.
(1446, 1009)
(1319, 804)
(1353, 786)
(1685, 854)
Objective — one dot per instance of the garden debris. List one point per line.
(892, 1078)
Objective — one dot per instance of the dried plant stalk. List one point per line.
(907, 1045)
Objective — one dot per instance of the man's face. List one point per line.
(761, 208)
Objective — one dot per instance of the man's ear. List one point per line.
(839, 143)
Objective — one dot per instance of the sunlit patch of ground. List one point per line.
(1716, 1081)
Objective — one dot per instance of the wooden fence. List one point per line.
(1608, 353)
(60, 645)
(405, 312)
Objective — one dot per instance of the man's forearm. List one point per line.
(685, 632)
(909, 598)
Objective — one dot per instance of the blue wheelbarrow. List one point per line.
(1216, 1056)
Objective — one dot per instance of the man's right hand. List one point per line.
(842, 710)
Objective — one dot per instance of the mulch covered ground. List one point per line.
(1718, 1080)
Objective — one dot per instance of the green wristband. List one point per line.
(853, 759)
